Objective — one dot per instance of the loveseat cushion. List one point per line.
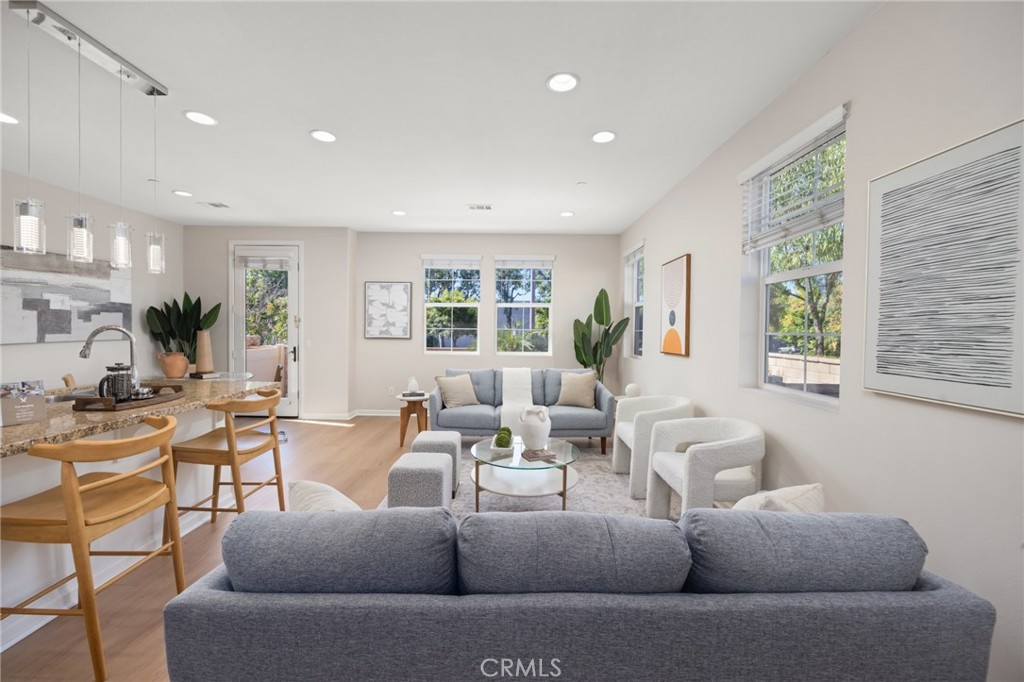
(528, 552)
(567, 418)
(469, 417)
(403, 550)
(761, 551)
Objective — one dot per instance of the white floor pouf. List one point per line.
(449, 442)
(421, 479)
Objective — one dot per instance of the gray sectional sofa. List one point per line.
(402, 594)
(484, 419)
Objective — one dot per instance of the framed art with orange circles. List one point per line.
(675, 306)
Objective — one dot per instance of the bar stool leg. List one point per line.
(216, 493)
(236, 479)
(87, 598)
(280, 478)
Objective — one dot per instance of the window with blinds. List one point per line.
(451, 288)
(523, 295)
(793, 224)
(634, 291)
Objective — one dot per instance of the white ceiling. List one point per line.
(435, 105)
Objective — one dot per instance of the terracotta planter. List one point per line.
(174, 365)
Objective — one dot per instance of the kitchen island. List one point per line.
(63, 424)
(26, 568)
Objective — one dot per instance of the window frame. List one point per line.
(757, 205)
(531, 263)
(634, 257)
(451, 263)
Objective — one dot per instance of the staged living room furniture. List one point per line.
(506, 471)
(384, 594)
(705, 460)
(634, 420)
(484, 418)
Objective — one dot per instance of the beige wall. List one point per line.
(919, 78)
(583, 265)
(324, 288)
(50, 361)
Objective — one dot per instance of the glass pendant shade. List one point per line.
(155, 242)
(80, 238)
(120, 246)
(29, 226)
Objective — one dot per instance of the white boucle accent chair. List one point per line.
(705, 460)
(631, 447)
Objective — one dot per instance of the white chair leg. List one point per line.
(639, 468)
(621, 455)
(659, 496)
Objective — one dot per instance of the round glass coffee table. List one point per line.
(508, 472)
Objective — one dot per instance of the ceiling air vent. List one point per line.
(478, 207)
(214, 204)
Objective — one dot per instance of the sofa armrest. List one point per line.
(433, 407)
(604, 401)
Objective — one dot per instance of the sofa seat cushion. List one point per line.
(566, 418)
(524, 552)
(469, 417)
(404, 551)
(761, 551)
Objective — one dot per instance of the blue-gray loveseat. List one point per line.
(403, 595)
(484, 419)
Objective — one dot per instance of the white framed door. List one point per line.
(266, 316)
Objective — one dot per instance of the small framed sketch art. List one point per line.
(675, 306)
(388, 310)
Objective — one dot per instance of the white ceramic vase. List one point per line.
(413, 386)
(534, 427)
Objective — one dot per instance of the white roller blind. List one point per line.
(450, 262)
(794, 197)
(263, 262)
(534, 262)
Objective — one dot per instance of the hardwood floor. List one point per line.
(353, 456)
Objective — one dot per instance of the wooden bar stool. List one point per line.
(84, 508)
(233, 446)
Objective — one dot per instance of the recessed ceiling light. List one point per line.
(567, 214)
(323, 135)
(563, 82)
(182, 193)
(603, 136)
(200, 118)
(4, 118)
(398, 213)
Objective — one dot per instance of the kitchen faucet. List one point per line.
(87, 349)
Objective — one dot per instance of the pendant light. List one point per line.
(121, 231)
(29, 223)
(80, 234)
(155, 241)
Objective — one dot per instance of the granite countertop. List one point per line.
(62, 424)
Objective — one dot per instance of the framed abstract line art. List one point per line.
(388, 310)
(675, 306)
(946, 278)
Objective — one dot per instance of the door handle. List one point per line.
(295, 353)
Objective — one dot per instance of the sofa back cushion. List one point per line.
(553, 383)
(484, 384)
(402, 550)
(526, 552)
(762, 551)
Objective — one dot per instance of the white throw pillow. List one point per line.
(798, 498)
(313, 496)
(577, 389)
(457, 391)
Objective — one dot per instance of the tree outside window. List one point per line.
(452, 302)
(523, 300)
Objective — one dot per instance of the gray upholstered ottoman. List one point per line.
(421, 479)
(442, 441)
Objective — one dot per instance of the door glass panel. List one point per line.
(266, 325)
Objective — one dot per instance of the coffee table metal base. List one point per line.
(523, 482)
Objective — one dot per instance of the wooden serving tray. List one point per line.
(96, 404)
